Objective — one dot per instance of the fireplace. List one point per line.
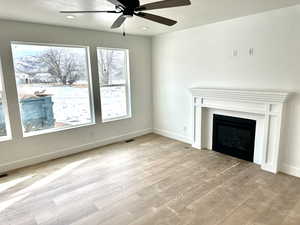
(234, 136)
(264, 107)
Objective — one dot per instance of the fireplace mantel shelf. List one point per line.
(266, 106)
(241, 95)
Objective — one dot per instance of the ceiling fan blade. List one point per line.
(121, 19)
(116, 2)
(107, 11)
(163, 4)
(158, 19)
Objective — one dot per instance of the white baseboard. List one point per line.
(172, 135)
(291, 170)
(69, 151)
(285, 168)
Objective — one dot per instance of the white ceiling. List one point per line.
(199, 13)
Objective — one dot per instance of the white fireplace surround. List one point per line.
(263, 106)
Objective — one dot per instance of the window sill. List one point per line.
(54, 130)
(117, 119)
(5, 138)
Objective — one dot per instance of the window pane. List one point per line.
(114, 86)
(113, 67)
(3, 131)
(53, 86)
(113, 102)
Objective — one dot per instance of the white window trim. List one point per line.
(126, 85)
(90, 88)
(54, 130)
(8, 136)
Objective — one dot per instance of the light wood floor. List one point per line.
(152, 181)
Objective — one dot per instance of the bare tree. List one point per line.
(106, 64)
(65, 68)
(111, 64)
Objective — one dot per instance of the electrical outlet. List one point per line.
(235, 53)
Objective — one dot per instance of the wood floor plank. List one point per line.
(153, 180)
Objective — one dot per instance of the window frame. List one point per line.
(90, 88)
(126, 85)
(8, 136)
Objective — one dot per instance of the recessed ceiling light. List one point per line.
(145, 28)
(70, 17)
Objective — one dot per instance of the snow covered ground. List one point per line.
(113, 102)
(72, 104)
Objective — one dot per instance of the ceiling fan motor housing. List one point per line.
(130, 4)
(129, 10)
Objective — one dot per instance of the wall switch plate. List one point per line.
(251, 51)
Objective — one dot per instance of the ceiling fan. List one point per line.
(130, 8)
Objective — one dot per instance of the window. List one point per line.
(114, 83)
(54, 86)
(4, 123)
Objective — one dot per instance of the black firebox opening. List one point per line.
(234, 136)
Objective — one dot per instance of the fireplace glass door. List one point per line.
(234, 136)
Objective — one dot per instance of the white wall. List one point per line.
(203, 57)
(23, 151)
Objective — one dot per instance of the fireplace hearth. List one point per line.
(234, 136)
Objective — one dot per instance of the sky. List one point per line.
(20, 50)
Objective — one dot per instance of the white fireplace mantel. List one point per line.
(265, 106)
